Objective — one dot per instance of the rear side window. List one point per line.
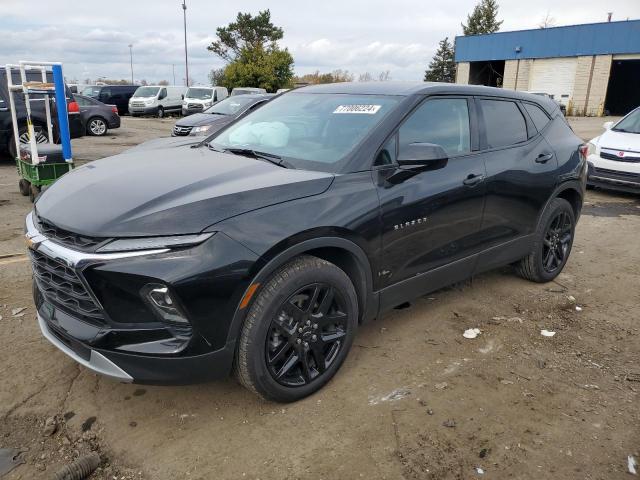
(539, 118)
(503, 123)
(443, 121)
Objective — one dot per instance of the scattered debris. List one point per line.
(479, 471)
(547, 333)
(449, 423)
(506, 382)
(571, 298)
(10, 458)
(578, 309)
(515, 319)
(591, 386)
(483, 453)
(50, 426)
(471, 333)
(0, 317)
(397, 394)
(429, 412)
(541, 363)
(17, 311)
(632, 464)
(441, 386)
(80, 469)
(633, 377)
(88, 423)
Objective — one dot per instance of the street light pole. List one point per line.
(131, 60)
(173, 67)
(186, 61)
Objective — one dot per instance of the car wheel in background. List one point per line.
(97, 126)
(298, 330)
(34, 191)
(160, 112)
(40, 133)
(552, 244)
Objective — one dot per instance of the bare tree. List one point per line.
(365, 77)
(384, 76)
(547, 21)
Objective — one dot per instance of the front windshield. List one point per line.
(230, 106)
(199, 93)
(91, 91)
(630, 123)
(312, 131)
(146, 92)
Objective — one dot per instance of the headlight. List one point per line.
(208, 104)
(149, 102)
(151, 243)
(197, 131)
(591, 148)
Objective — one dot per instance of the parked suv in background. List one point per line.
(265, 247)
(38, 116)
(117, 95)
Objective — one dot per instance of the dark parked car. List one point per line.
(38, 116)
(219, 115)
(97, 116)
(266, 246)
(117, 95)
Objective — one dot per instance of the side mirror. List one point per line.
(607, 125)
(422, 156)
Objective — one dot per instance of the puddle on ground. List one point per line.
(611, 209)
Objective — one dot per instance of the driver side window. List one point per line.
(163, 94)
(443, 121)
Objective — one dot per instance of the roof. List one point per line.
(570, 41)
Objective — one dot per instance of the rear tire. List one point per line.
(24, 186)
(552, 244)
(97, 126)
(298, 330)
(160, 112)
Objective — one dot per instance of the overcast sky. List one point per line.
(92, 38)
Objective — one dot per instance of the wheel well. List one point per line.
(349, 264)
(574, 198)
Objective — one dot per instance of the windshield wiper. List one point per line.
(269, 157)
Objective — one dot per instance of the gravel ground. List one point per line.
(414, 400)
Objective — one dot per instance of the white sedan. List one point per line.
(614, 156)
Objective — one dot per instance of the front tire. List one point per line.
(160, 112)
(298, 330)
(552, 245)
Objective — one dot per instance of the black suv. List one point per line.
(38, 116)
(117, 95)
(263, 248)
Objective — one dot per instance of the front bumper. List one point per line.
(609, 175)
(143, 110)
(123, 341)
(190, 111)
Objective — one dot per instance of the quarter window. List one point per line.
(503, 122)
(538, 117)
(443, 121)
(387, 156)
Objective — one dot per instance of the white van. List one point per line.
(198, 99)
(156, 100)
(246, 91)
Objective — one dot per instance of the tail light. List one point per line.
(73, 107)
(114, 109)
(584, 151)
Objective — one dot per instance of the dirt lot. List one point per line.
(415, 400)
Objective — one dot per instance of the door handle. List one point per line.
(473, 179)
(544, 157)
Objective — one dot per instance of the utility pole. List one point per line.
(131, 60)
(186, 61)
(173, 67)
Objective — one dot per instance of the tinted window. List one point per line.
(387, 156)
(444, 122)
(539, 118)
(503, 123)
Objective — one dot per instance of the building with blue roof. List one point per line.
(592, 69)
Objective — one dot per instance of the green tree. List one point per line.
(483, 19)
(442, 67)
(250, 47)
(216, 76)
(246, 33)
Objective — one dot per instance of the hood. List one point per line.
(165, 142)
(198, 119)
(169, 192)
(619, 141)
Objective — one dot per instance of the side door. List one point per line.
(430, 219)
(520, 178)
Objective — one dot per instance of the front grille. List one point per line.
(617, 173)
(66, 238)
(61, 286)
(194, 106)
(616, 158)
(181, 131)
(137, 104)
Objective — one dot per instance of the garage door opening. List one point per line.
(623, 94)
(487, 73)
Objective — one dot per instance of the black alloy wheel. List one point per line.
(306, 335)
(557, 242)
